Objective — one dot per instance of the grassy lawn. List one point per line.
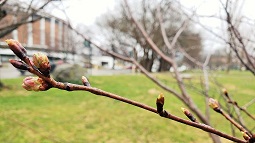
(80, 117)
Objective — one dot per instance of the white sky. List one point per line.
(86, 11)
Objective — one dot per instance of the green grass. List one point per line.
(81, 117)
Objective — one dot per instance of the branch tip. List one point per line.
(225, 92)
(19, 64)
(17, 48)
(214, 104)
(161, 99)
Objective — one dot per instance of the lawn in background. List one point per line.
(81, 117)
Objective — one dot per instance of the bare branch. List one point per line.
(248, 104)
(7, 29)
(231, 101)
(189, 57)
(51, 83)
(237, 34)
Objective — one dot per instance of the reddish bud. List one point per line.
(18, 64)
(85, 81)
(35, 84)
(17, 48)
(41, 61)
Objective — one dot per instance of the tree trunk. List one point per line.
(163, 65)
(147, 60)
(229, 59)
(147, 64)
(1, 84)
(113, 65)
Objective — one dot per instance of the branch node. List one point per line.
(67, 86)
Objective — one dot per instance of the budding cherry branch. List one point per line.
(40, 66)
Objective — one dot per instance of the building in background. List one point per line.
(52, 36)
(48, 34)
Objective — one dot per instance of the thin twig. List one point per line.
(231, 101)
(248, 104)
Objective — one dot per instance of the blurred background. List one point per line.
(211, 44)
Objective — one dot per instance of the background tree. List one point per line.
(126, 36)
(171, 42)
(15, 13)
(24, 12)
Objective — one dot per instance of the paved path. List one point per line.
(8, 71)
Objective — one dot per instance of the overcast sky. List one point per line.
(86, 11)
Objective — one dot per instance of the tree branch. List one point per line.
(49, 82)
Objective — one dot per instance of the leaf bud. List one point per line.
(18, 64)
(188, 114)
(17, 48)
(85, 81)
(160, 102)
(214, 104)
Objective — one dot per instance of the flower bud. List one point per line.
(214, 105)
(224, 90)
(17, 48)
(85, 81)
(189, 115)
(41, 61)
(161, 99)
(18, 64)
(245, 136)
(160, 102)
(35, 84)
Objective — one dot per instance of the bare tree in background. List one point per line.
(23, 12)
(168, 48)
(171, 42)
(240, 33)
(125, 36)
